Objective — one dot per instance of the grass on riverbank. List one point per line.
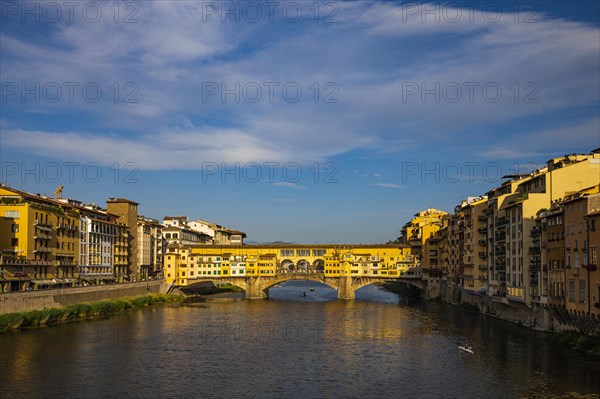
(44, 317)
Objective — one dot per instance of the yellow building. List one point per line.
(581, 238)
(39, 241)
(434, 253)
(511, 217)
(472, 270)
(422, 226)
(184, 264)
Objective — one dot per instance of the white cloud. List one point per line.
(289, 184)
(170, 53)
(388, 185)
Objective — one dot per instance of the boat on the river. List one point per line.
(466, 348)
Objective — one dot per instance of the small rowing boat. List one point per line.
(466, 348)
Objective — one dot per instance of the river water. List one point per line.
(293, 346)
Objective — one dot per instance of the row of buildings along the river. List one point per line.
(52, 242)
(534, 239)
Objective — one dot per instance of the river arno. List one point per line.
(292, 346)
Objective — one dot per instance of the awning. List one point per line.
(44, 282)
(16, 278)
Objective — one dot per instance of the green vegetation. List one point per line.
(216, 290)
(580, 342)
(37, 318)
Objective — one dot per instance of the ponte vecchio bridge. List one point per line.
(256, 268)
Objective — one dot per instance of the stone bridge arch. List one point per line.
(317, 277)
(287, 265)
(257, 286)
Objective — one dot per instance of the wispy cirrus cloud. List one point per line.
(388, 185)
(173, 52)
(289, 185)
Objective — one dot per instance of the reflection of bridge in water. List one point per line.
(257, 287)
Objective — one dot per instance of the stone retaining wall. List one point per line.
(31, 300)
(537, 317)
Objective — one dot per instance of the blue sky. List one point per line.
(227, 114)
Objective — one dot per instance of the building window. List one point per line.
(571, 290)
(15, 228)
(14, 242)
(12, 214)
(582, 292)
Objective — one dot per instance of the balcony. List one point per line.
(500, 237)
(43, 250)
(482, 218)
(534, 250)
(482, 255)
(590, 267)
(37, 222)
(533, 281)
(501, 222)
(65, 263)
(500, 252)
(482, 242)
(482, 267)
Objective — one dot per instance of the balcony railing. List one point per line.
(500, 266)
(43, 249)
(534, 250)
(37, 222)
(503, 221)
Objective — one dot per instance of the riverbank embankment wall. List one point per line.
(53, 298)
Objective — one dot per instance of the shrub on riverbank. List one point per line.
(580, 342)
(36, 318)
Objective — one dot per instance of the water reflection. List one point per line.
(289, 346)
